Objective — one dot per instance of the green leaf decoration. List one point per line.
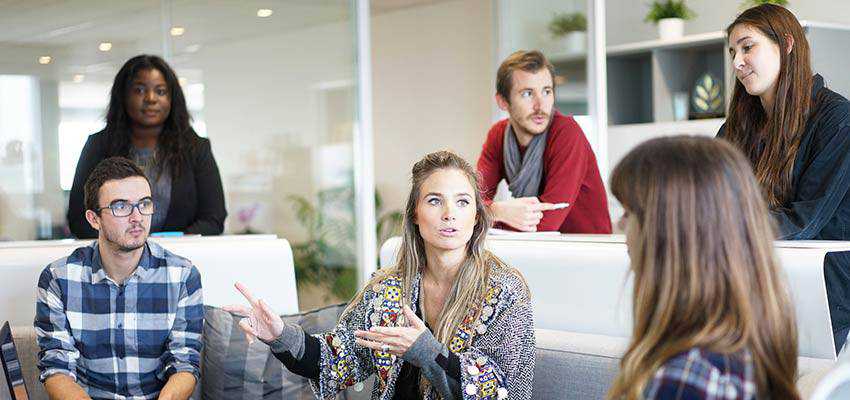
(714, 91)
(707, 96)
(715, 103)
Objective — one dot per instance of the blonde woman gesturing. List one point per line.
(712, 316)
(449, 320)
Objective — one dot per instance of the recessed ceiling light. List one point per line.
(264, 12)
(44, 60)
(78, 78)
(104, 46)
(183, 81)
(177, 31)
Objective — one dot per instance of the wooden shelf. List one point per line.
(658, 44)
(643, 77)
(645, 46)
(684, 41)
(691, 124)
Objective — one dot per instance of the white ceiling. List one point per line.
(71, 30)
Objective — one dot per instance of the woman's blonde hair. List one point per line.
(705, 274)
(471, 281)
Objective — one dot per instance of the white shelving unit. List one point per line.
(638, 80)
(643, 76)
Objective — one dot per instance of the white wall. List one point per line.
(432, 83)
(624, 18)
(433, 86)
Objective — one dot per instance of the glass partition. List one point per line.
(272, 85)
(558, 28)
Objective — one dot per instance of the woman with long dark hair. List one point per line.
(448, 320)
(148, 122)
(712, 314)
(796, 134)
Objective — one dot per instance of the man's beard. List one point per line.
(115, 241)
(529, 121)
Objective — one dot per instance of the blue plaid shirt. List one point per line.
(699, 374)
(119, 341)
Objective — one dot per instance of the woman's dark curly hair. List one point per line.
(177, 138)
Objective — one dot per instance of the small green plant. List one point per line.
(753, 3)
(565, 23)
(328, 256)
(659, 10)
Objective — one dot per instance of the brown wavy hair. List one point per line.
(771, 140)
(705, 274)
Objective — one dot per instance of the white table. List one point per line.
(581, 283)
(262, 262)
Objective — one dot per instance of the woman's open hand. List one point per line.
(260, 320)
(394, 340)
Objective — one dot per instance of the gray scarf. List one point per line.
(524, 172)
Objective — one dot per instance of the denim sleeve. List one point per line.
(183, 352)
(820, 190)
(57, 352)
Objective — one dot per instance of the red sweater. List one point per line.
(570, 175)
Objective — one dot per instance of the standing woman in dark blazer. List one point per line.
(148, 122)
(796, 134)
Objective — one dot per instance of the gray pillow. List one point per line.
(233, 369)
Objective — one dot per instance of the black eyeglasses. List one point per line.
(125, 208)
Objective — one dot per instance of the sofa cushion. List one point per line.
(232, 368)
(572, 365)
(568, 365)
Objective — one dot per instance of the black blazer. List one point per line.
(197, 199)
(819, 208)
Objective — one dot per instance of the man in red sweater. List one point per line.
(542, 154)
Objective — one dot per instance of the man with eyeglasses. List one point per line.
(122, 317)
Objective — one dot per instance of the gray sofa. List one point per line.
(568, 365)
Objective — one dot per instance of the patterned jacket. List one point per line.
(496, 349)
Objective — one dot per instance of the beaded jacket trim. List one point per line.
(344, 364)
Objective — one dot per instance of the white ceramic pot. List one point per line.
(670, 28)
(574, 42)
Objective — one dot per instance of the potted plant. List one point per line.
(571, 29)
(670, 15)
(753, 3)
(326, 262)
